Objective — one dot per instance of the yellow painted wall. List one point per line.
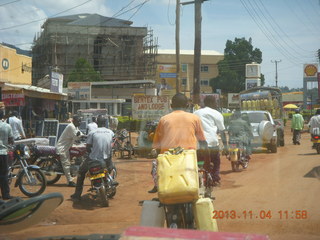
(14, 68)
(209, 60)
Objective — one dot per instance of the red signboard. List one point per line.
(13, 99)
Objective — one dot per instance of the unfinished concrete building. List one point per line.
(112, 46)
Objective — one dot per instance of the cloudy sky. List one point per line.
(287, 31)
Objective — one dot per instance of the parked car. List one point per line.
(264, 129)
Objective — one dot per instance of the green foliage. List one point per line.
(84, 72)
(131, 124)
(237, 54)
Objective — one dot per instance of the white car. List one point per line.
(264, 129)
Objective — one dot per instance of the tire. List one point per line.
(103, 197)
(189, 218)
(273, 148)
(49, 166)
(281, 138)
(318, 148)
(37, 185)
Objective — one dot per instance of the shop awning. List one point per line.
(33, 91)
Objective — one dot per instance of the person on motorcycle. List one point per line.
(212, 123)
(177, 129)
(314, 124)
(239, 131)
(99, 148)
(65, 142)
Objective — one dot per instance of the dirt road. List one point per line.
(277, 195)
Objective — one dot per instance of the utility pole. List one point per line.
(276, 62)
(197, 49)
(177, 46)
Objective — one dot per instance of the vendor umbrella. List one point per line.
(290, 106)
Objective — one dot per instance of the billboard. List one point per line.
(150, 107)
(166, 79)
(233, 100)
(13, 99)
(251, 83)
(56, 82)
(79, 90)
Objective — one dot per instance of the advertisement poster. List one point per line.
(150, 107)
(233, 100)
(56, 82)
(251, 83)
(166, 79)
(13, 99)
(79, 90)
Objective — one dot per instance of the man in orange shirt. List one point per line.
(178, 129)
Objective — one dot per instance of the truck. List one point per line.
(265, 99)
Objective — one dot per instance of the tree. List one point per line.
(84, 72)
(237, 54)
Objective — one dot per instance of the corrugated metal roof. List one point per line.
(8, 86)
(189, 52)
(86, 19)
(123, 82)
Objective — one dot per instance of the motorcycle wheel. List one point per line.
(189, 218)
(111, 192)
(49, 166)
(103, 197)
(318, 148)
(35, 186)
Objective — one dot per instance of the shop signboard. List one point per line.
(79, 90)
(56, 82)
(233, 100)
(150, 107)
(13, 99)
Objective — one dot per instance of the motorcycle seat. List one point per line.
(46, 150)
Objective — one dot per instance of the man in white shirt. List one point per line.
(212, 123)
(65, 142)
(99, 148)
(16, 125)
(92, 126)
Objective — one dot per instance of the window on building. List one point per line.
(204, 82)
(184, 67)
(204, 68)
(183, 82)
(93, 105)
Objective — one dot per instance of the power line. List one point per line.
(9, 3)
(23, 24)
(255, 16)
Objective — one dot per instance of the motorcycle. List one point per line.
(48, 160)
(315, 139)
(122, 144)
(102, 182)
(237, 155)
(30, 179)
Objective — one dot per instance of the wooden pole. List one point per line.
(177, 46)
(197, 52)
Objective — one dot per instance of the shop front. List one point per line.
(33, 104)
